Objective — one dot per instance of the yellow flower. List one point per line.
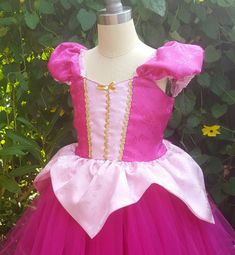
(211, 130)
(53, 109)
(23, 183)
(61, 112)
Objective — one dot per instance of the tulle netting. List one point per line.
(159, 223)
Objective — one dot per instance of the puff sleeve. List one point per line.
(179, 62)
(63, 61)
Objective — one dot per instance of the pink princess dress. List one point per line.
(122, 189)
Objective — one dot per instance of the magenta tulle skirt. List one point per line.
(158, 224)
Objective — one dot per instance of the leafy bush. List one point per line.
(32, 105)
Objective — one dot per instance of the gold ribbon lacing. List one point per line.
(110, 86)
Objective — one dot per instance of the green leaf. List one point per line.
(184, 14)
(154, 35)
(158, 7)
(212, 54)
(3, 31)
(21, 139)
(8, 21)
(229, 97)
(230, 54)
(175, 119)
(193, 121)
(9, 183)
(27, 123)
(185, 103)
(211, 27)
(91, 4)
(144, 13)
(65, 4)
(20, 171)
(226, 134)
(200, 11)
(229, 187)
(197, 155)
(86, 18)
(87, 2)
(219, 84)
(173, 22)
(5, 6)
(225, 3)
(1, 75)
(46, 7)
(27, 144)
(230, 149)
(204, 80)
(31, 19)
(46, 39)
(14, 150)
(219, 110)
(218, 195)
(73, 22)
(213, 166)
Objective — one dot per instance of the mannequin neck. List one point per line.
(117, 40)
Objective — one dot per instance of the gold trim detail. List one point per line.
(106, 126)
(125, 122)
(111, 86)
(87, 117)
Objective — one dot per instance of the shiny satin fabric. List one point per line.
(150, 106)
(89, 186)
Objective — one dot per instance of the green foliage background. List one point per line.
(36, 113)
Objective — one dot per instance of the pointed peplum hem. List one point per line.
(91, 189)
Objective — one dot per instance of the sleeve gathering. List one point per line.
(63, 61)
(179, 62)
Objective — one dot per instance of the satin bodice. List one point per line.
(124, 120)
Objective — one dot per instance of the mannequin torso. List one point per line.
(118, 53)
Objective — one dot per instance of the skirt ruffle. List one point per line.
(159, 223)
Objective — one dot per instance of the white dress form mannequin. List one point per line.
(118, 53)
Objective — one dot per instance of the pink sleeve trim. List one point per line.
(63, 63)
(178, 61)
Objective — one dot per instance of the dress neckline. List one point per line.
(82, 74)
(83, 69)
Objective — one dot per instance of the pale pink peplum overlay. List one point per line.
(91, 188)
